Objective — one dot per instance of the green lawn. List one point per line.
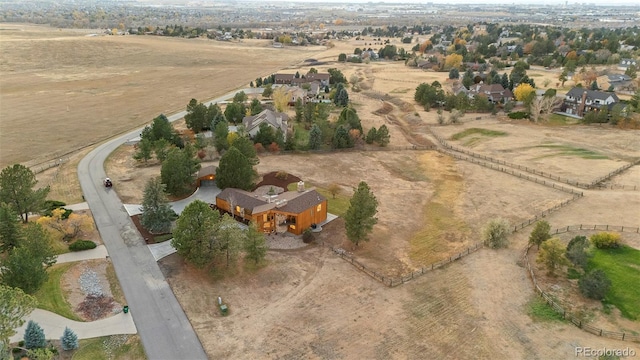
(557, 119)
(301, 136)
(622, 266)
(51, 295)
(473, 131)
(539, 310)
(337, 206)
(567, 150)
(110, 347)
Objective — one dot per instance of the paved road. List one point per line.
(162, 324)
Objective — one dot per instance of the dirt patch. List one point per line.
(87, 287)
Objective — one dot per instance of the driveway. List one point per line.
(163, 326)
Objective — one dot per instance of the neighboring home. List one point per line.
(618, 82)
(284, 78)
(292, 211)
(274, 119)
(579, 101)
(323, 78)
(206, 176)
(296, 93)
(626, 63)
(494, 92)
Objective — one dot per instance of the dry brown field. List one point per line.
(309, 303)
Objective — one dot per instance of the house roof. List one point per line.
(493, 90)
(284, 77)
(577, 93)
(618, 78)
(275, 119)
(318, 76)
(290, 201)
(206, 171)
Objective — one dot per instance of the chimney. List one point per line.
(300, 186)
(582, 104)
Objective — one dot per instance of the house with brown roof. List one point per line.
(494, 92)
(323, 78)
(283, 78)
(289, 211)
(274, 119)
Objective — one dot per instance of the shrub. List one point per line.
(495, 233)
(606, 240)
(577, 251)
(307, 236)
(80, 245)
(594, 284)
(282, 175)
(518, 115)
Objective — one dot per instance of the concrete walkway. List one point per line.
(100, 252)
(161, 250)
(77, 207)
(54, 324)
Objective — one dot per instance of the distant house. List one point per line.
(579, 101)
(290, 211)
(617, 82)
(494, 92)
(274, 119)
(626, 63)
(323, 78)
(284, 78)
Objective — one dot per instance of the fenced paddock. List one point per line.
(562, 311)
(530, 170)
(48, 165)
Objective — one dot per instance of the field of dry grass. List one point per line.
(309, 303)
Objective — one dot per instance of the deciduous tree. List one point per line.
(334, 189)
(69, 228)
(540, 233)
(360, 216)
(281, 99)
(577, 251)
(552, 255)
(157, 214)
(452, 61)
(595, 284)
(524, 92)
(17, 185)
(15, 305)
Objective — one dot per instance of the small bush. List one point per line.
(518, 115)
(573, 274)
(594, 284)
(606, 240)
(577, 251)
(307, 236)
(282, 175)
(495, 233)
(80, 245)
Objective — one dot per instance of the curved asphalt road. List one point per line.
(163, 326)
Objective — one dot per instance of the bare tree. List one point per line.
(541, 107)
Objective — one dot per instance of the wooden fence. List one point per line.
(391, 281)
(533, 171)
(619, 187)
(349, 150)
(562, 311)
(48, 165)
(544, 213)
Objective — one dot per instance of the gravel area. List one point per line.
(280, 242)
(90, 283)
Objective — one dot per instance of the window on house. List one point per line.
(319, 208)
(292, 227)
(267, 225)
(238, 209)
(265, 217)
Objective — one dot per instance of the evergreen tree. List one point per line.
(157, 214)
(145, 148)
(341, 138)
(315, 137)
(382, 136)
(299, 110)
(255, 245)
(9, 228)
(193, 236)
(17, 185)
(467, 78)
(69, 340)
(504, 81)
(34, 336)
(454, 73)
(220, 133)
(234, 171)
(372, 135)
(342, 97)
(360, 217)
(246, 148)
(214, 115)
(178, 171)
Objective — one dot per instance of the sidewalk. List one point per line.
(54, 324)
(100, 252)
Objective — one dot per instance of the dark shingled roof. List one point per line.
(303, 202)
(577, 92)
(241, 198)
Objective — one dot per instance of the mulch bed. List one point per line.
(271, 179)
(148, 237)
